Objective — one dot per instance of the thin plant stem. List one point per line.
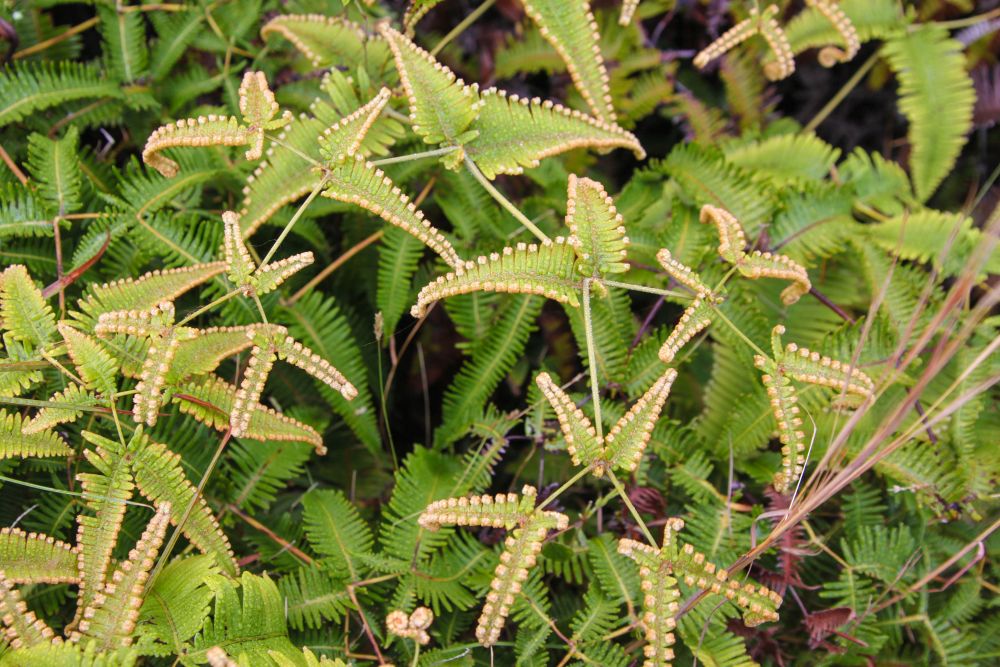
(460, 28)
(567, 484)
(416, 655)
(503, 201)
(204, 309)
(65, 492)
(291, 223)
(844, 91)
(631, 508)
(736, 330)
(647, 290)
(415, 156)
(260, 307)
(588, 328)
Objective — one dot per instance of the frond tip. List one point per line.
(597, 230)
(413, 626)
(528, 527)
(831, 55)
(756, 264)
(762, 23)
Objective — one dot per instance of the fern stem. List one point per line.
(503, 201)
(588, 328)
(32, 403)
(66, 492)
(416, 655)
(631, 508)
(567, 484)
(204, 309)
(7, 160)
(291, 223)
(51, 41)
(736, 330)
(647, 290)
(844, 91)
(416, 156)
(460, 28)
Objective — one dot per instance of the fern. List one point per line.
(323, 40)
(936, 98)
(30, 558)
(29, 88)
(15, 443)
(336, 530)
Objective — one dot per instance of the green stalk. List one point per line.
(503, 201)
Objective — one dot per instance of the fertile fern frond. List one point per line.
(16, 443)
(597, 230)
(697, 316)
(323, 40)
(32, 558)
(258, 108)
(28, 88)
(794, 363)
(442, 106)
(683, 274)
(271, 343)
(757, 264)
(546, 269)
(112, 615)
(831, 55)
(64, 407)
(146, 291)
(26, 316)
(760, 23)
(105, 492)
(515, 133)
(571, 29)
(625, 443)
(160, 478)
(528, 526)
(22, 628)
(244, 273)
(350, 178)
(413, 626)
(937, 98)
(659, 572)
(210, 401)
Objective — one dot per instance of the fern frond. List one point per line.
(314, 597)
(97, 368)
(357, 181)
(210, 401)
(241, 268)
(659, 571)
(757, 264)
(22, 214)
(516, 133)
(59, 410)
(811, 367)
(948, 241)
(871, 19)
(695, 319)
(936, 96)
(258, 108)
(203, 353)
(784, 397)
(344, 138)
(831, 55)
(442, 106)
(105, 492)
(683, 274)
(124, 37)
(177, 603)
(760, 23)
(323, 40)
(571, 29)
(26, 89)
(625, 443)
(32, 558)
(160, 478)
(22, 628)
(15, 442)
(55, 167)
(546, 270)
(521, 548)
(337, 531)
(597, 230)
(112, 615)
(26, 316)
(146, 291)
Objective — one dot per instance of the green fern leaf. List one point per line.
(14, 443)
(323, 40)
(55, 166)
(31, 558)
(947, 241)
(97, 368)
(27, 317)
(64, 407)
(597, 229)
(516, 133)
(571, 29)
(398, 256)
(176, 605)
(210, 401)
(337, 531)
(125, 46)
(872, 19)
(113, 613)
(315, 597)
(936, 96)
(22, 214)
(442, 107)
(546, 270)
(160, 478)
(29, 88)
